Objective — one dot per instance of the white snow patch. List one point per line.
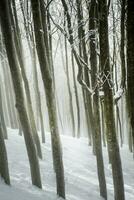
(80, 171)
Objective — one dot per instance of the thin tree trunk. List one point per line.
(69, 91)
(2, 120)
(122, 45)
(103, 124)
(38, 98)
(76, 96)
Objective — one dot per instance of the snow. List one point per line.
(119, 93)
(80, 171)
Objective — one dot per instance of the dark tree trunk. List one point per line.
(108, 104)
(122, 45)
(96, 102)
(4, 172)
(2, 120)
(130, 62)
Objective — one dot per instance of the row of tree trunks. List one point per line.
(95, 131)
(11, 115)
(50, 95)
(83, 54)
(5, 19)
(19, 51)
(32, 49)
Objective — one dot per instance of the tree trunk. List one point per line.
(130, 62)
(108, 104)
(37, 92)
(96, 101)
(122, 45)
(4, 172)
(76, 96)
(2, 120)
(69, 91)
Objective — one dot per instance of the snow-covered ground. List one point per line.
(80, 171)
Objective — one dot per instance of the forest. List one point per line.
(67, 99)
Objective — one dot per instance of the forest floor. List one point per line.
(80, 171)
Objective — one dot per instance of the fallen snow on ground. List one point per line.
(80, 171)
